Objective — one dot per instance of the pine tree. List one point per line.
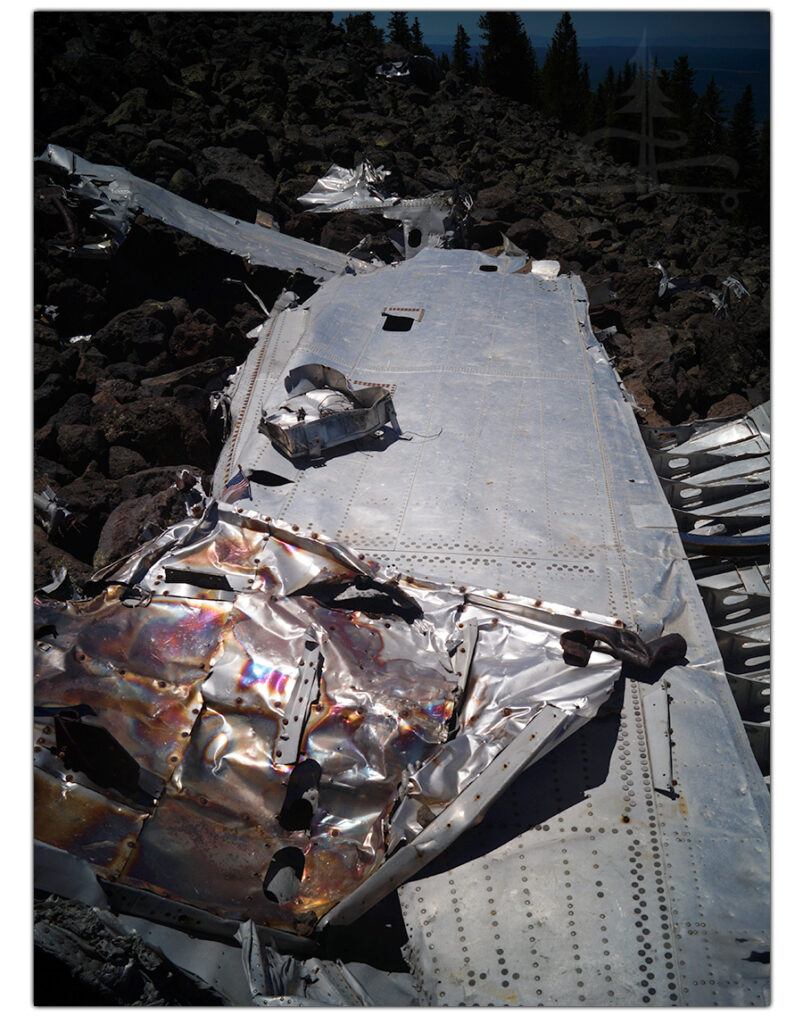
(461, 51)
(508, 58)
(361, 27)
(565, 95)
(742, 141)
(417, 44)
(708, 138)
(742, 144)
(761, 212)
(679, 88)
(399, 30)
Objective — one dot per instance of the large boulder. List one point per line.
(161, 430)
(234, 182)
(136, 520)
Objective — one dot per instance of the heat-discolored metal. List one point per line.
(307, 655)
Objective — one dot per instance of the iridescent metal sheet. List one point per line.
(203, 692)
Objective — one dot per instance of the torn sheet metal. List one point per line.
(342, 188)
(52, 512)
(732, 291)
(119, 196)
(167, 722)
(323, 412)
(280, 980)
(243, 969)
(434, 221)
(669, 285)
(417, 68)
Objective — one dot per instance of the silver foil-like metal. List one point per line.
(254, 647)
(119, 195)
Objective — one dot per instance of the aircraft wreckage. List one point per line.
(436, 546)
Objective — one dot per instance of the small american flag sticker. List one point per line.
(237, 488)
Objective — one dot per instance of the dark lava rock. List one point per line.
(154, 480)
(673, 391)
(193, 398)
(80, 307)
(90, 498)
(76, 409)
(119, 389)
(732, 405)
(529, 234)
(487, 234)
(78, 444)
(129, 372)
(48, 559)
(637, 294)
(504, 201)
(651, 345)
(345, 230)
(197, 375)
(92, 367)
(49, 396)
(46, 361)
(47, 472)
(123, 462)
(133, 336)
(199, 338)
(135, 521)
(234, 182)
(560, 230)
(162, 431)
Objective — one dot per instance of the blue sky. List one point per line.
(623, 27)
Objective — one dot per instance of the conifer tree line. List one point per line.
(694, 145)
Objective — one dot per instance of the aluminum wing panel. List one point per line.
(589, 882)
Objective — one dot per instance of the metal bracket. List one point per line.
(296, 712)
(659, 738)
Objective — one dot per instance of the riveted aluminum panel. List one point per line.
(584, 884)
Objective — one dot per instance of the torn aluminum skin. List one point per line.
(171, 708)
(322, 412)
(344, 189)
(119, 196)
(417, 68)
(434, 221)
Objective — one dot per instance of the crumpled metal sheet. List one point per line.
(193, 660)
(431, 221)
(342, 188)
(280, 980)
(417, 68)
(119, 196)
